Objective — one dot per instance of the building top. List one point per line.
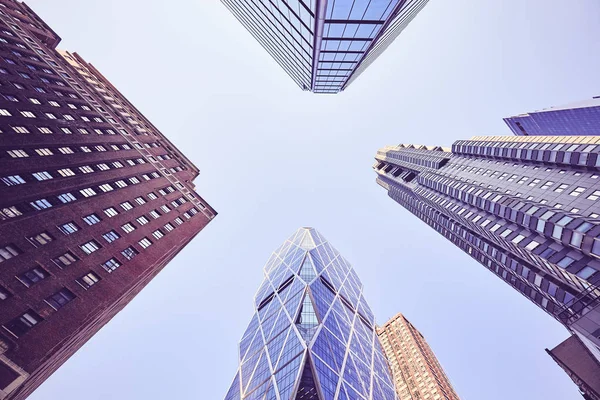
(593, 102)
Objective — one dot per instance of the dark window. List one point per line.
(23, 323)
(33, 276)
(65, 260)
(59, 299)
(88, 280)
(4, 294)
(129, 253)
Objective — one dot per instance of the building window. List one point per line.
(9, 251)
(129, 253)
(158, 234)
(40, 239)
(13, 180)
(23, 323)
(59, 299)
(594, 196)
(111, 212)
(128, 227)
(111, 236)
(111, 265)
(91, 219)
(88, 192)
(4, 294)
(90, 246)
(68, 228)
(154, 214)
(140, 200)
(33, 276)
(142, 220)
(179, 221)
(65, 260)
(126, 206)
(168, 227)
(561, 188)
(66, 197)
(145, 243)
(577, 191)
(88, 280)
(19, 153)
(65, 172)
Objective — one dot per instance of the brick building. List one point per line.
(416, 371)
(94, 201)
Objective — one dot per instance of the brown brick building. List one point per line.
(94, 201)
(416, 371)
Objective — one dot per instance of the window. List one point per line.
(169, 227)
(152, 196)
(88, 192)
(4, 294)
(91, 219)
(68, 117)
(44, 152)
(64, 260)
(66, 131)
(88, 280)
(106, 187)
(42, 176)
(154, 214)
(65, 172)
(5, 113)
(140, 200)
(547, 185)
(111, 212)
(179, 221)
(33, 276)
(68, 228)
(145, 243)
(13, 180)
(594, 196)
(561, 188)
(59, 299)
(90, 247)
(23, 323)
(66, 197)
(111, 265)
(165, 208)
(111, 236)
(158, 234)
(9, 251)
(577, 191)
(129, 253)
(586, 272)
(142, 220)
(45, 130)
(41, 239)
(66, 150)
(86, 169)
(17, 153)
(27, 114)
(128, 227)
(126, 206)
(49, 115)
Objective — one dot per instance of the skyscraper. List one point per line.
(526, 208)
(312, 335)
(324, 45)
(94, 202)
(581, 118)
(416, 371)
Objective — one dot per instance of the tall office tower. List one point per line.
(581, 118)
(416, 371)
(94, 202)
(526, 208)
(312, 336)
(324, 45)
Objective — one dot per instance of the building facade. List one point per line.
(94, 201)
(581, 118)
(324, 45)
(526, 208)
(575, 358)
(415, 369)
(312, 335)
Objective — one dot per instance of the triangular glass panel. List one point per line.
(307, 389)
(307, 321)
(234, 390)
(307, 272)
(274, 347)
(292, 348)
(307, 241)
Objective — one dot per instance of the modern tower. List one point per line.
(312, 335)
(94, 202)
(526, 208)
(581, 118)
(416, 371)
(324, 45)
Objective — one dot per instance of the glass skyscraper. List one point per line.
(324, 45)
(312, 335)
(526, 208)
(581, 118)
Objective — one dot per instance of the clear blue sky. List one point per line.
(274, 158)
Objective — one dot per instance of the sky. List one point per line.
(274, 158)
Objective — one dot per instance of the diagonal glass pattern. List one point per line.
(324, 45)
(312, 334)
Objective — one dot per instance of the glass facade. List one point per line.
(312, 335)
(582, 118)
(526, 208)
(323, 45)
